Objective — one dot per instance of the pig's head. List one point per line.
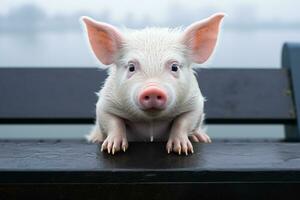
(151, 68)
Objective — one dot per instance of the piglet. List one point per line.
(151, 91)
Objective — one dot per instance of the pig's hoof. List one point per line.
(179, 144)
(95, 135)
(94, 138)
(200, 137)
(114, 143)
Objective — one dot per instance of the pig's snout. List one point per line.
(152, 97)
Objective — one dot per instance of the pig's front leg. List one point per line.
(179, 137)
(115, 129)
(199, 135)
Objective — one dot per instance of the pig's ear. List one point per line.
(201, 37)
(104, 39)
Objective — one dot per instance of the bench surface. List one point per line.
(79, 162)
(78, 170)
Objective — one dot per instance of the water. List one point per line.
(236, 48)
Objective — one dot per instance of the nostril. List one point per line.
(158, 97)
(146, 97)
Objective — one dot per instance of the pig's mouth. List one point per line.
(152, 111)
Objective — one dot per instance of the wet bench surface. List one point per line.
(78, 170)
(57, 161)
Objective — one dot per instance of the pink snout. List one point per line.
(152, 97)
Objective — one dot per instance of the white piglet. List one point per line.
(151, 90)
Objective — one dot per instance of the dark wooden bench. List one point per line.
(74, 169)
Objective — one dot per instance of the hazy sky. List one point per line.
(287, 10)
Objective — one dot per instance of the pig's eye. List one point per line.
(131, 67)
(174, 67)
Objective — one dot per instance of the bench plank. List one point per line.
(77, 170)
(153, 191)
(247, 95)
(67, 95)
(78, 161)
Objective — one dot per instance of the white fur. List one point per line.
(152, 51)
(152, 47)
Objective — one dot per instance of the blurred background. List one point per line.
(40, 33)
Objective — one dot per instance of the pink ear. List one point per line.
(105, 40)
(201, 37)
